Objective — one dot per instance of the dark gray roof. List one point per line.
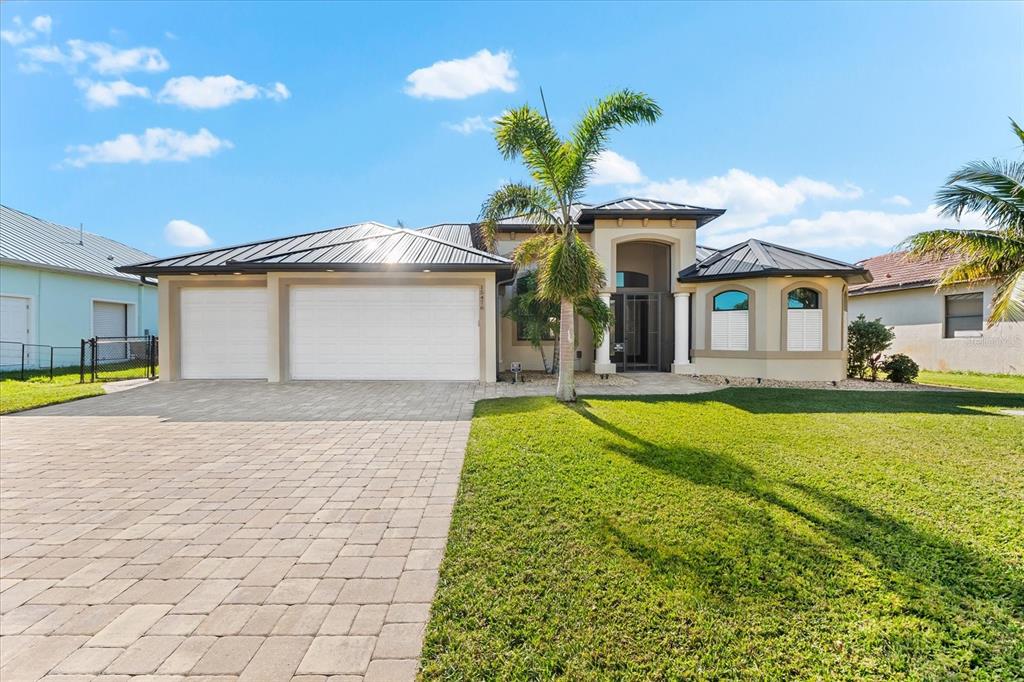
(25, 239)
(754, 258)
(363, 246)
(462, 234)
(704, 252)
(625, 207)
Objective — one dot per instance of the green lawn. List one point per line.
(1005, 383)
(746, 533)
(38, 389)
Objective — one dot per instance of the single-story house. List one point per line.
(941, 329)
(60, 284)
(369, 301)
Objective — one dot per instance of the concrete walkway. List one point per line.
(233, 530)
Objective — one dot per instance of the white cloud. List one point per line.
(107, 59)
(462, 78)
(45, 54)
(103, 95)
(897, 200)
(20, 33)
(470, 125)
(749, 200)
(836, 230)
(170, 36)
(614, 169)
(43, 23)
(184, 233)
(156, 144)
(214, 92)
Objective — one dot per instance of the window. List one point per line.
(730, 325)
(803, 320)
(626, 279)
(964, 315)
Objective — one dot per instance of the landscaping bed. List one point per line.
(739, 534)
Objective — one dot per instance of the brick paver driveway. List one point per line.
(229, 529)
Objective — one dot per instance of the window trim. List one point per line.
(823, 305)
(709, 307)
(946, 317)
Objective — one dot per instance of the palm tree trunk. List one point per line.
(543, 360)
(566, 391)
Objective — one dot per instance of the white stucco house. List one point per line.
(59, 285)
(943, 329)
(369, 301)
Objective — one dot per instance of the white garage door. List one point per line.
(399, 332)
(224, 333)
(110, 320)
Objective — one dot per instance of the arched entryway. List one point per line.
(642, 335)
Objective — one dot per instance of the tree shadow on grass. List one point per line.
(938, 579)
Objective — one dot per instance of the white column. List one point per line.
(681, 362)
(603, 362)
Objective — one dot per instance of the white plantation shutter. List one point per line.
(803, 329)
(729, 330)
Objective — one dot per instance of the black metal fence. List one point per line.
(109, 358)
(95, 359)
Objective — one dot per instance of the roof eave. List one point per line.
(851, 277)
(69, 271)
(263, 268)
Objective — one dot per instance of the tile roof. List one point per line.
(32, 241)
(754, 258)
(897, 271)
(362, 246)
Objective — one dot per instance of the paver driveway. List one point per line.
(229, 529)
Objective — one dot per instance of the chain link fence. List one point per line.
(95, 359)
(23, 361)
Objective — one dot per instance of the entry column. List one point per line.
(603, 360)
(681, 360)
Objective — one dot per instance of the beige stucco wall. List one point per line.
(278, 284)
(917, 316)
(680, 236)
(766, 356)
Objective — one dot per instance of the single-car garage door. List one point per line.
(224, 333)
(385, 332)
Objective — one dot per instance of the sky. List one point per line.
(176, 126)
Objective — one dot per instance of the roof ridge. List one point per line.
(762, 253)
(317, 247)
(468, 249)
(805, 253)
(74, 229)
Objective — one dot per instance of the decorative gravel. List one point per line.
(582, 379)
(844, 385)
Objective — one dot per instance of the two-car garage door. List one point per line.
(335, 332)
(389, 332)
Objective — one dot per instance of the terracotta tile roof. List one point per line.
(897, 271)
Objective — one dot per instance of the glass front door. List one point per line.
(636, 343)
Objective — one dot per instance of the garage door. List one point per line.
(110, 320)
(224, 333)
(415, 332)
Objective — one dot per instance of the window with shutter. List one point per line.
(803, 320)
(730, 326)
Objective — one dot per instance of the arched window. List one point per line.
(804, 320)
(730, 323)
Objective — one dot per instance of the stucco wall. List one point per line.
(62, 303)
(766, 356)
(917, 316)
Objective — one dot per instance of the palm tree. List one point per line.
(994, 189)
(568, 271)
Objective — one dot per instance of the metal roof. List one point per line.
(457, 233)
(625, 207)
(754, 258)
(704, 252)
(25, 239)
(363, 246)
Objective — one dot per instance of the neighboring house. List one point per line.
(368, 301)
(941, 329)
(59, 285)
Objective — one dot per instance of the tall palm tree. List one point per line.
(994, 189)
(568, 271)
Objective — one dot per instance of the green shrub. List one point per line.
(900, 368)
(866, 341)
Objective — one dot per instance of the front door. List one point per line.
(637, 342)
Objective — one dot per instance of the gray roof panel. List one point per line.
(754, 258)
(33, 241)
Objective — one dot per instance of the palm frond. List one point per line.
(1008, 299)
(1017, 130)
(590, 136)
(597, 314)
(526, 133)
(533, 250)
(516, 200)
(995, 189)
(569, 270)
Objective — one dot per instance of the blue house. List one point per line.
(59, 285)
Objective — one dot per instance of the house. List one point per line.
(369, 301)
(941, 329)
(59, 285)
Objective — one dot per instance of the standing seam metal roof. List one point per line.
(33, 241)
(754, 258)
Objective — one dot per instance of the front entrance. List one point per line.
(639, 344)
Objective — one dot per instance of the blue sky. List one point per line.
(827, 127)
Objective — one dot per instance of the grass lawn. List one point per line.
(746, 533)
(1005, 383)
(38, 389)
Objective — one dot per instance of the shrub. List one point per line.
(866, 341)
(900, 368)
